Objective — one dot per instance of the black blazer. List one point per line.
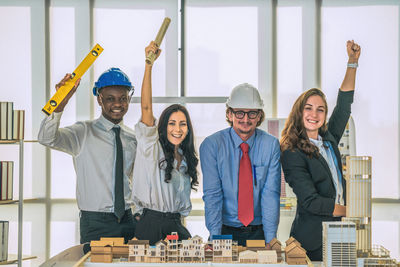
(311, 180)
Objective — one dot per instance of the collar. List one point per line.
(108, 125)
(237, 140)
(318, 142)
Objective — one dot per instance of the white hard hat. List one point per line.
(245, 96)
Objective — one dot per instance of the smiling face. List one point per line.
(177, 128)
(114, 102)
(314, 115)
(245, 126)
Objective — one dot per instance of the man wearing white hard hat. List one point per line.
(242, 172)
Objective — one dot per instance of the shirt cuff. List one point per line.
(269, 237)
(142, 129)
(54, 116)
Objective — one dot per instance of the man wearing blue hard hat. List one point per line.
(103, 152)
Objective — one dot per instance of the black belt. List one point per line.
(172, 215)
(248, 228)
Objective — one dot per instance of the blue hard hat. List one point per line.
(112, 77)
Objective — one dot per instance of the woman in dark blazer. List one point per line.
(311, 160)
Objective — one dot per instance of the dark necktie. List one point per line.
(245, 198)
(119, 201)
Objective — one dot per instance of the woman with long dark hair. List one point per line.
(165, 167)
(311, 160)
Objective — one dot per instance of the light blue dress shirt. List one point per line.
(326, 150)
(220, 155)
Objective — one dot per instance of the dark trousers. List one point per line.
(155, 226)
(241, 234)
(315, 255)
(94, 225)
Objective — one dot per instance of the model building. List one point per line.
(358, 198)
(138, 250)
(172, 247)
(101, 251)
(339, 244)
(192, 250)
(294, 253)
(222, 249)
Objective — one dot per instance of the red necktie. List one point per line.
(245, 199)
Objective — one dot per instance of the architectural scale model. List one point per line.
(348, 243)
(339, 244)
(222, 249)
(358, 201)
(294, 253)
(107, 248)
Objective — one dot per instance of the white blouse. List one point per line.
(149, 190)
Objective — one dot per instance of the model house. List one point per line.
(248, 256)
(292, 240)
(157, 253)
(208, 252)
(119, 249)
(267, 257)
(235, 251)
(295, 254)
(191, 250)
(172, 247)
(222, 247)
(255, 245)
(101, 251)
(138, 250)
(277, 246)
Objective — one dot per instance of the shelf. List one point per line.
(14, 259)
(26, 200)
(19, 257)
(9, 141)
(17, 141)
(5, 202)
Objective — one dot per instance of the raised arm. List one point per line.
(353, 52)
(341, 113)
(63, 139)
(146, 96)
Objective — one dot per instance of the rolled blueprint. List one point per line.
(160, 36)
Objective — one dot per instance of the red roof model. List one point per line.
(172, 237)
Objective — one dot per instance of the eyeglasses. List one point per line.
(239, 114)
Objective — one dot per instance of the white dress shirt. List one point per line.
(93, 149)
(149, 188)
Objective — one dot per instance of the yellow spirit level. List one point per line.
(67, 87)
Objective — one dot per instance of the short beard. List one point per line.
(246, 132)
